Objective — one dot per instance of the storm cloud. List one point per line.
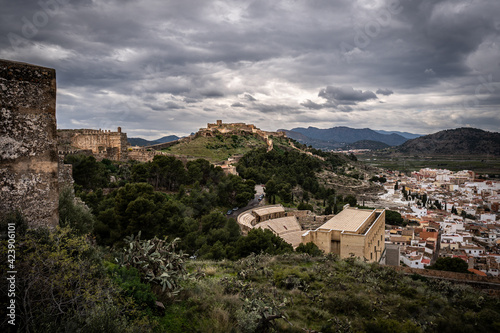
(346, 95)
(169, 67)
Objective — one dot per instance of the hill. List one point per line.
(403, 134)
(316, 143)
(366, 144)
(344, 134)
(460, 141)
(143, 142)
(218, 148)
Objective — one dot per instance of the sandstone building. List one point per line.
(101, 143)
(353, 231)
(28, 143)
(274, 218)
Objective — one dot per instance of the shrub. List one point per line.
(73, 213)
(156, 260)
(450, 264)
(309, 248)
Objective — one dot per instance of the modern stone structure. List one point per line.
(275, 219)
(102, 143)
(28, 143)
(353, 231)
(392, 255)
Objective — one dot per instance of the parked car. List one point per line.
(229, 212)
(235, 209)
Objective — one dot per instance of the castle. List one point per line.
(100, 143)
(220, 127)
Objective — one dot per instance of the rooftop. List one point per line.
(349, 219)
(268, 210)
(281, 225)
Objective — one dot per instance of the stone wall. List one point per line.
(28, 143)
(222, 128)
(65, 175)
(102, 143)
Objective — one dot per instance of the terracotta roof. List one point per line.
(477, 272)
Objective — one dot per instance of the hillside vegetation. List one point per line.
(460, 141)
(218, 148)
(152, 250)
(69, 284)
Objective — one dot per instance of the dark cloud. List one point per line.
(250, 98)
(212, 94)
(311, 105)
(238, 105)
(276, 109)
(190, 100)
(122, 61)
(385, 92)
(346, 95)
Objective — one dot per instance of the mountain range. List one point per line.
(143, 142)
(460, 141)
(339, 137)
(403, 134)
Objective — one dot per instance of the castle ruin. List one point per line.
(100, 143)
(223, 128)
(28, 143)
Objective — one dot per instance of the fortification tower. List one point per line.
(28, 143)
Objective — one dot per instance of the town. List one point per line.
(447, 214)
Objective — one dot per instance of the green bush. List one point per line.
(156, 260)
(450, 264)
(74, 213)
(309, 248)
(61, 287)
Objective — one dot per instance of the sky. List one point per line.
(157, 67)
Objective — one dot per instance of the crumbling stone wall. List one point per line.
(222, 128)
(102, 143)
(65, 175)
(28, 143)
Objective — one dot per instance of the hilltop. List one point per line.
(143, 142)
(316, 143)
(460, 141)
(216, 149)
(342, 134)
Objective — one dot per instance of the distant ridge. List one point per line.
(344, 134)
(460, 141)
(143, 142)
(406, 135)
(318, 144)
(366, 144)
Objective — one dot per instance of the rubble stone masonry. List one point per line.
(102, 143)
(28, 143)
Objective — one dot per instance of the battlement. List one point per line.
(102, 143)
(223, 128)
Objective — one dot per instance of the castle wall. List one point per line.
(28, 143)
(102, 143)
